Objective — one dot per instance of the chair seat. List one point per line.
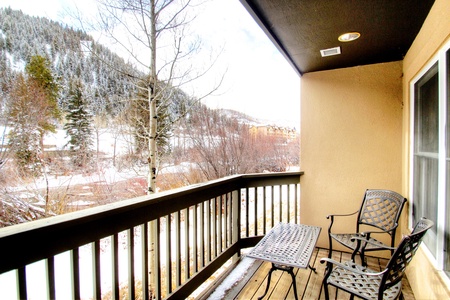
(364, 286)
(346, 240)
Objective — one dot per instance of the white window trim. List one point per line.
(441, 58)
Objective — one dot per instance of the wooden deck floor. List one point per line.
(249, 279)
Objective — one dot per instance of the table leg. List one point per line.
(312, 268)
(268, 281)
(294, 284)
(281, 268)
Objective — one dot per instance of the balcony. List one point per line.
(249, 279)
(105, 252)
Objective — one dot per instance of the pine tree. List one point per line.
(78, 126)
(40, 74)
(26, 102)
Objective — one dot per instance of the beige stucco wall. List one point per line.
(426, 281)
(351, 139)
(355, 134)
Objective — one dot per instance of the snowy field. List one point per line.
(36, 272)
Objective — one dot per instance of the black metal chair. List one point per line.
(380, 209)
(368, 284)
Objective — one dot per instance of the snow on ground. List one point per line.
(36, 278)
(36, 272)
(235, 276)
(106, 173)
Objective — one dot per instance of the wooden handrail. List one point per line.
(23, 244)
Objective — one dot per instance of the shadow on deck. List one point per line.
(249, 279)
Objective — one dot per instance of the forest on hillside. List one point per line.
(56, 79)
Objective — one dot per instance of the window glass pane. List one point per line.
(447, 143)
(427, 112)
(426, 195)
(426, 159)
(447, 220)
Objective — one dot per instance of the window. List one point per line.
(431, 155)
(447, 182)
(426, 151)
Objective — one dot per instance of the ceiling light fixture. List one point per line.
(349, 36)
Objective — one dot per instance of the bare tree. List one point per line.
(155, 37)
(219, 145)
(222, 145)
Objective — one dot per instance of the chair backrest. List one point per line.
(404, 253)
(381, 209)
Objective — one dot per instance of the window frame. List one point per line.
(441, 58)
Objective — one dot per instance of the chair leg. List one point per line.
(330, 249)
(330, 253)
(363, 258)
(354, 254)
(325, 289)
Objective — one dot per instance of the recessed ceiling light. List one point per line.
(349, 36)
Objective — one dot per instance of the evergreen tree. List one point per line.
(26, 102)
(40, 74)
(78, 126)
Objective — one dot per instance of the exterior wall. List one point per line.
(351, 140)
(434, 34)
(355, 134)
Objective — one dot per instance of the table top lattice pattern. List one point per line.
(287, 244)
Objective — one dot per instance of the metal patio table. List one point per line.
(287, 246)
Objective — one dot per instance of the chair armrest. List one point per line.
(338, 215)
(367, 241)
(342, 215)
(353, 268)
(368, 233)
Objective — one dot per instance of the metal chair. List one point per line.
(381, 210)
(368, 284)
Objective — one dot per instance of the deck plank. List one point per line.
(256, 284)
(244, 283)
(284, 286)
(304, 275)
(309, 283)
(276, 276)
(314, 286)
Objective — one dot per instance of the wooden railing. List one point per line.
(105, 251)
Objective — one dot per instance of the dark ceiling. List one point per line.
(301, 28)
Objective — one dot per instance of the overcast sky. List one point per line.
(259, 81)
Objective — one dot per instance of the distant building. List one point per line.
(273, 130)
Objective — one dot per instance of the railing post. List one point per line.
(96, 273)
(75, 267)
(22, 283)
(154, 260)
(50, 270)
(220, 224)
(145, 261)
(236, 219)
